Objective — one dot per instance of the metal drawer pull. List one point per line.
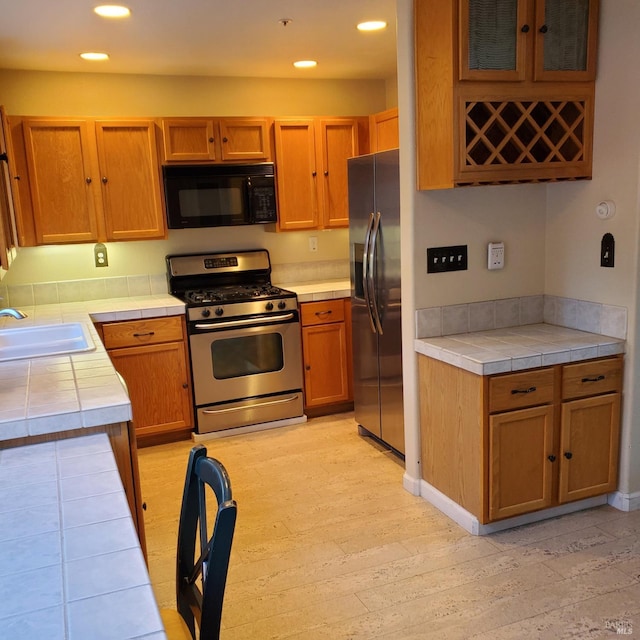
(593, 379)
(246, 322)
(324, 313)
(250, 406)
(529, 390)
(141, 335)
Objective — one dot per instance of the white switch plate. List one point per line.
(313, 244)
(496, 255)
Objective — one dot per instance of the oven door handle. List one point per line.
(252, 406)
(246, 322)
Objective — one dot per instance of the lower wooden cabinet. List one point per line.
(326, 347)
(520, 442)
(151, 356)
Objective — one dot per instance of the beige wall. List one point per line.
(109, 95)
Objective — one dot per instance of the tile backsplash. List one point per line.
(509, 312)
(82, 290)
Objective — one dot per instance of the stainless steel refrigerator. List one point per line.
(374, 241)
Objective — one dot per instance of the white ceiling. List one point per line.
(202, 37)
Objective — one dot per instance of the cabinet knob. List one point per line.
(307, 367)
(88, 180)
(326, 173)
(144, 506)
(211, 139)
(551, 458)
(105, 179)
(544, 28)
(314, 174)
(185, 385)
(568, 455)
(16, 177)
(525, 28)
(4, 157)
(225, 139)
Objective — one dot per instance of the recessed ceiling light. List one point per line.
(93, 55)
(305, 64)
(372, 25)
(112, 11)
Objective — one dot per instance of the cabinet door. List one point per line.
(338, 142)
(296, 174)
(383, 130)
(589, 447)
(326, 369)
(188, 140)
(61, 180)
(520, 466)
(245, 139)
(8, 238)
(130, 179)
(158, 384)
(566, 40)
(493, 37)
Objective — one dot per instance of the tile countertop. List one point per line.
(70, 561)
(60, 393)
(315, 291)
(518, 348)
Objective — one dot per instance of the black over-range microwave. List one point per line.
(219, 195)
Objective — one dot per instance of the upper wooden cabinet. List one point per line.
(504, 90)
(383, 130)
(311, 165)
(514, 40)
(8, 238)
(216, 139)
(88, 180)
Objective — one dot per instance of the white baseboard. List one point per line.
(262, 426)
(625, 501)
(470, 523)
(411, 484)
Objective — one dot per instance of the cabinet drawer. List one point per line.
(142, 332)
(322, 312)
(518, 390)
(591, 378)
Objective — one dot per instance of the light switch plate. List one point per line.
(495, 255)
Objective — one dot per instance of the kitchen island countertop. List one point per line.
(70, 562)
(518, 348)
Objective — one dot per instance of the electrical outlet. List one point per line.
(495, 255)
(100, 255)
(313, 244)
(440, 259)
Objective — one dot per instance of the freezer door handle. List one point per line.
(372, 260)
(365, 272)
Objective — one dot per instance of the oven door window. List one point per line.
(247, 355)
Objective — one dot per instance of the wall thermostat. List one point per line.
(496, 255)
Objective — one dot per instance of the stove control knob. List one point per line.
(219, 311)
(282, 304)
(269, 306)
(206, 313)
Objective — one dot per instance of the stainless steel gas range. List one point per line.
(244, 339)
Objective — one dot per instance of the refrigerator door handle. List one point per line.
(365, 272)
(372, 260)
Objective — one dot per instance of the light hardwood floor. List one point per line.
(329, 546)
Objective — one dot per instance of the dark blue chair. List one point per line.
(203, 554)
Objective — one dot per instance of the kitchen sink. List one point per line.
(44, 340)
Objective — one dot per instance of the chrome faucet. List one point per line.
(13, 313)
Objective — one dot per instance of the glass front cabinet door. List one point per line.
(516, 40)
